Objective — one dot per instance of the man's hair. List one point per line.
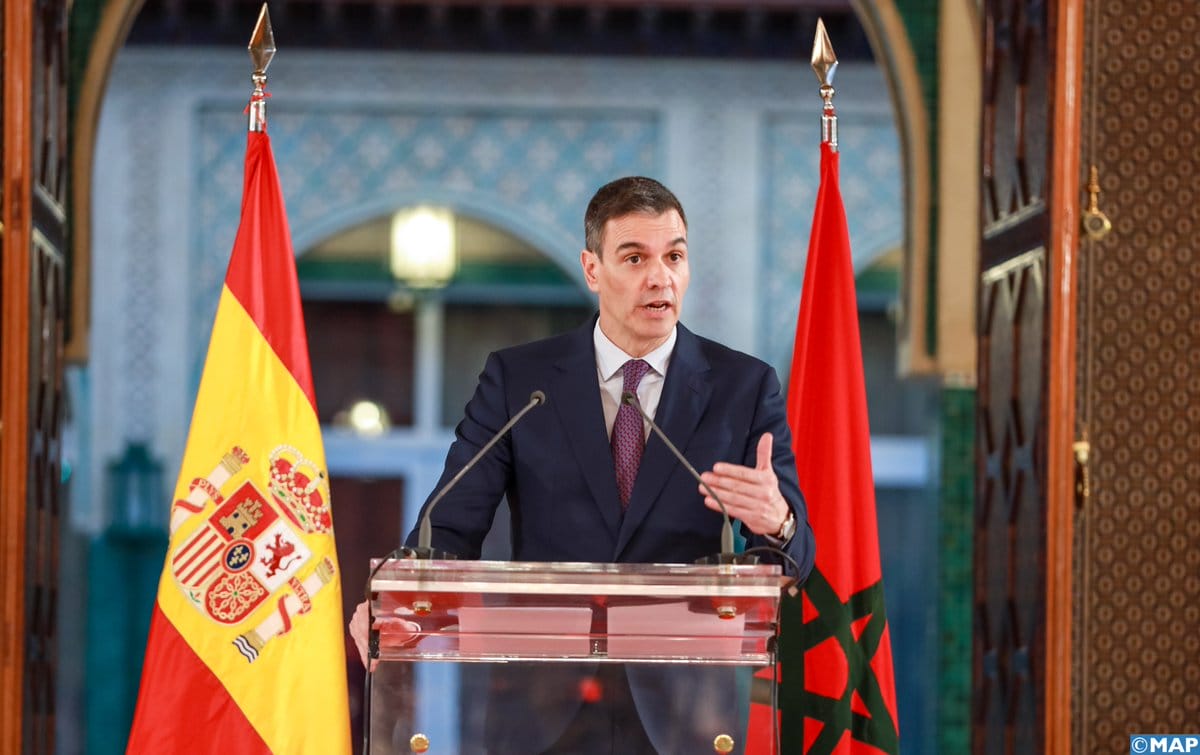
(622, 197)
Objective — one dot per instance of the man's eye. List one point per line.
(634, 258)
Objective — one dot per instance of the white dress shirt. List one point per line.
(610, 359)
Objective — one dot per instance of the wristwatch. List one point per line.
(787, 529)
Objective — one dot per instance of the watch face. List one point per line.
(788, 527)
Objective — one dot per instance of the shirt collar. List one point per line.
(610, 358)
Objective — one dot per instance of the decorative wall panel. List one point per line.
(527, 171)
(1137, 669)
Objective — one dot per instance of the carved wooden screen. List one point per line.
(1010, 529)
(34, 312)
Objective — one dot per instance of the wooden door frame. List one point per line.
(15, 214)
(1063, 244)
(17, 307)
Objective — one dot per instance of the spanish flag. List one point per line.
(245, 653)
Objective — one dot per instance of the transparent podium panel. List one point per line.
(566, 708)
(518, 657)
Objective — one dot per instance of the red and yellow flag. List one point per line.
(246, 653)
(848, 700)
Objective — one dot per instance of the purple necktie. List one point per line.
(628, 436)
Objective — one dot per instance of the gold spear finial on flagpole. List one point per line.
(262, 49)
(824, 62)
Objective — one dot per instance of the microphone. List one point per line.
(727, 555)
(423, 550)
(425, 535)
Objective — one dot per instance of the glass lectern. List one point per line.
(520, 658)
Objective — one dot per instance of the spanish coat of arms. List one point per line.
(249, 550)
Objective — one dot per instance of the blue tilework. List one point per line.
(528, 171)
(870, 180)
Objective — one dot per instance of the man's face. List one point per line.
(641, 278)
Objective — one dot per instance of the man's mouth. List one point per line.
(658, 306)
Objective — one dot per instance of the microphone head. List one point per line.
(537, 397)
(629, 397)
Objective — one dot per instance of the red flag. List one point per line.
(849, 697)
(245, 652)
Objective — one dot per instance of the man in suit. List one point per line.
(584, 477)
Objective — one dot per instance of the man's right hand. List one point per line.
(360, 631)
(393, 631)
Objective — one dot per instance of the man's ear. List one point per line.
(589, 261)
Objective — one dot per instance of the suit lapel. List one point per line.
(576, 398)
(685, 395)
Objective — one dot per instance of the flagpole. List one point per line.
(262, 50)
(824, 62)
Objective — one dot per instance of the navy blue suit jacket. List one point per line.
(556, 468)
(556, 465)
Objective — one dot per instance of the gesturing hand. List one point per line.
(750, 494)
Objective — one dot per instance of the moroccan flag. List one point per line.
(848, 701)
(245, 653)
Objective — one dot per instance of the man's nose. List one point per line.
(657, 275)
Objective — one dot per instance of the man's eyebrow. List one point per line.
(640, 245)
